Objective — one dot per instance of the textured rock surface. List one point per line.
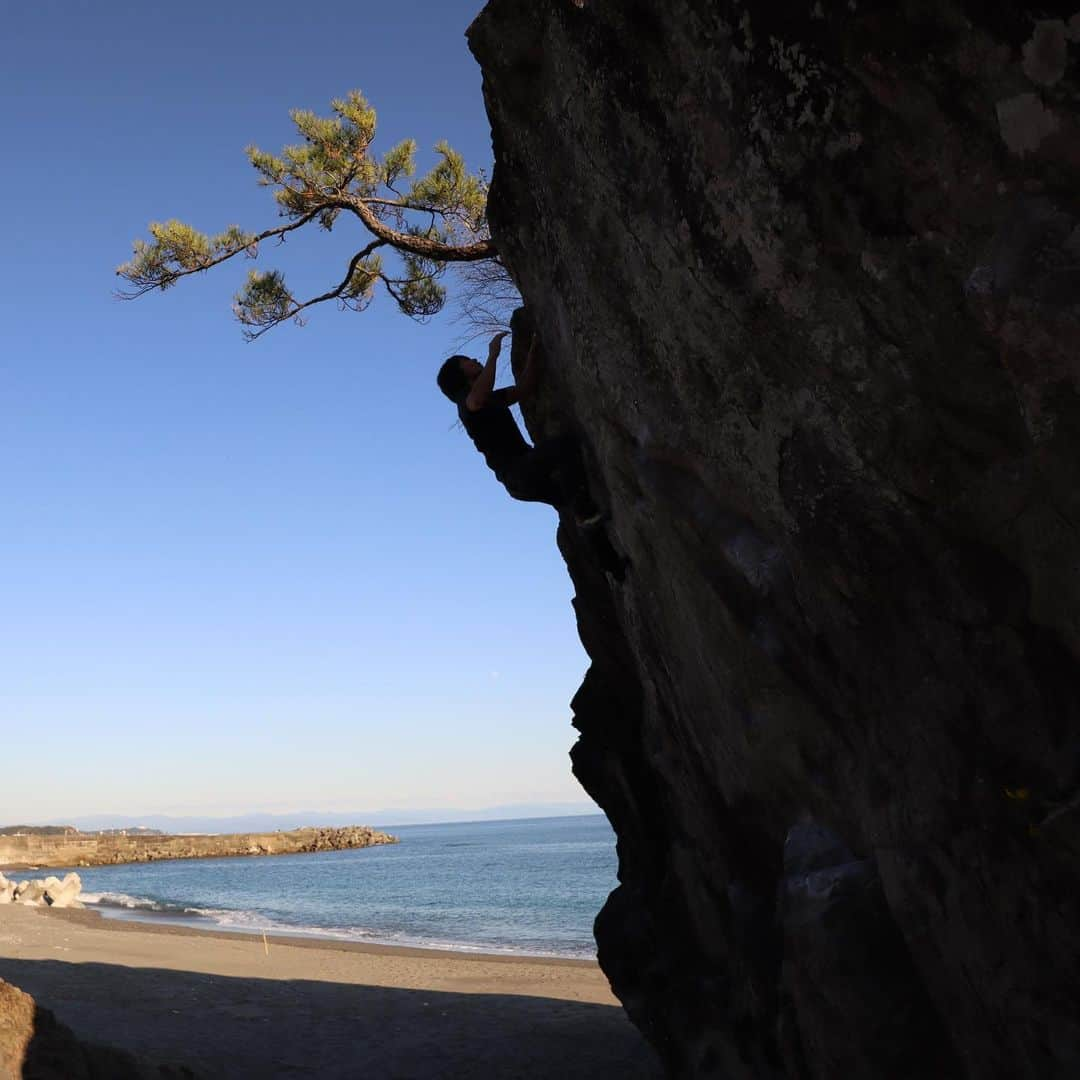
(16, 1029)
(807, 278)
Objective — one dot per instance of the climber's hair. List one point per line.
(451, 379)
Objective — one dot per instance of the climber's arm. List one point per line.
(485, 381)
(525, 386)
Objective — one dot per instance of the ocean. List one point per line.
(525, 887)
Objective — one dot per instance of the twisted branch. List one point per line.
(333, 294)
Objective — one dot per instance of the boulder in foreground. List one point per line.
(34, 1045)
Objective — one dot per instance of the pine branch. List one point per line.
(167, 277)
(332, 171)
(417, 245)
(333, 294)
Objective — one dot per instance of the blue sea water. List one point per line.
(525, 887)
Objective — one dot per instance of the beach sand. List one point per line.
(226, 1005)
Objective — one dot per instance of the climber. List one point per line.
(549, 472)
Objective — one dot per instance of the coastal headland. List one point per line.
(91, 849)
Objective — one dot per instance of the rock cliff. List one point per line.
(807, 280)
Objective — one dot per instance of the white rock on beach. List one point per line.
(51, 891)
(62, 894)
(30, 892)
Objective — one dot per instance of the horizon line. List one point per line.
(383, 818)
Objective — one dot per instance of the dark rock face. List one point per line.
(807, 278)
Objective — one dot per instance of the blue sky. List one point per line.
(246, 576)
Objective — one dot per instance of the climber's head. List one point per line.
(457, 375)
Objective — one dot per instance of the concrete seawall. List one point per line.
(84, 849)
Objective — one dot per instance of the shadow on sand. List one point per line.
(247, 1027)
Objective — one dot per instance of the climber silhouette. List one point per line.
(549, 472)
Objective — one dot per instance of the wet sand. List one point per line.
(230, 1005)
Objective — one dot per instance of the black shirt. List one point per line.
(495, 432)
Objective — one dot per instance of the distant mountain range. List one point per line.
(379, 819)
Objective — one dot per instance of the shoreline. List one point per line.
(227, 1003)
(140, 914)
(156, 923)
(422, 893)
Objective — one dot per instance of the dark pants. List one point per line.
(550, 473)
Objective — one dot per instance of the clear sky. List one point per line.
(246, 576)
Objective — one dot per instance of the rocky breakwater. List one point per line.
(86, 849)
(42, 892)
(807, 282)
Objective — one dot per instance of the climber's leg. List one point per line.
(552, 473)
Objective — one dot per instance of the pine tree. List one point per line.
(437, 220)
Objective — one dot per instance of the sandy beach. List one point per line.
(230, 1005)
